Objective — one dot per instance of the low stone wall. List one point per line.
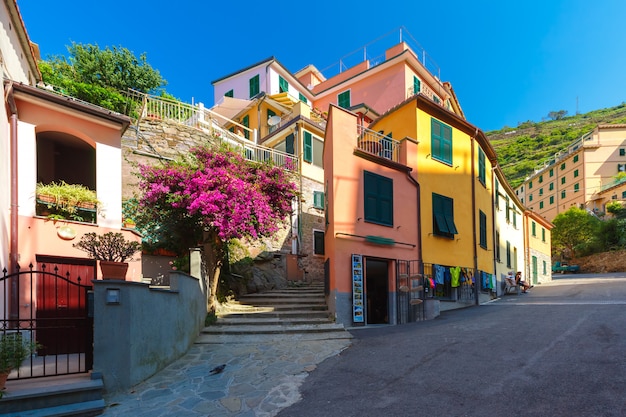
(139, 330)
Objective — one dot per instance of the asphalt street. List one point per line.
(559, 350)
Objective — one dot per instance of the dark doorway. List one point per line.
(377, 291)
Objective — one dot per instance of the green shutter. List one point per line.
(318, 199)
(283, 85)
(246, 122)
(289, 142)
(302, 98)
(481, 167)
(483, 229)
(343, 99)
(378, 199)
(308, 147)
(416, 85)
(441, 141)
(254, 86)
(229, 93)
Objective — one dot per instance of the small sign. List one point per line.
(357, 289)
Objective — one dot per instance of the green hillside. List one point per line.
(520, 150)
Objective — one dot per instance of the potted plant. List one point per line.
(14, 349)
(112, 250)
(66, 201)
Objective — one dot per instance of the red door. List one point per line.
(61, 314)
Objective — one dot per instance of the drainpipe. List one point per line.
(475, 252)
(13, 224)
(13, 245)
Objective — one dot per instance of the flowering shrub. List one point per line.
(220, 193)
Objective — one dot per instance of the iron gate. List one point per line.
(54, 309)
(410, 291)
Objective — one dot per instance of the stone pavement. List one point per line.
(262, 376)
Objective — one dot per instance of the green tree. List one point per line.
(101, 76)
(572, 228)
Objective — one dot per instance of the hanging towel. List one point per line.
(456, 274)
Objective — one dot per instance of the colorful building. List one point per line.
(578, 175)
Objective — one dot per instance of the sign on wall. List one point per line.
(357, 289)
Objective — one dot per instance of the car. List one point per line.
(562, 267)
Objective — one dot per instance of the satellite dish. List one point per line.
(273, 121)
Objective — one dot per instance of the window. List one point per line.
(378, 192)
(576, 187)
(254, 86)
(575, 158)
(562, 180)
(483, 229)
(543, 234)
(417, 85)
(318, 200)
(530, 197)
(303, 98)
(286, 145)
(343, 99)
(540, 204)
(318, 242)
(551, 186)
(481, 167)
(245, 121)
(551, 199)
(541, 191)
(621, 167)
(534, 229)
(497, 246)
(514, 219)
(441, 141)
(508, 254)
(623, 194)
(575, 173)
(229, 93)
(497, 196)
(313, 149)
(508, 209)
(283, 85)
(530, 185)
(552, 172)
(540, 179)
(622, 152)
(562, 166)
(436, 100)
(562, 194)
(443, 216)
(545, 268)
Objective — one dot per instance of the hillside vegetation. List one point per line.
(522, 149)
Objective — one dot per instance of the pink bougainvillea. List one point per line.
(221, 192)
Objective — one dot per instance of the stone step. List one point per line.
(273, 329)
(269, 337)
(278, 314)
(254, 320)
(246, 308)
(69, 395)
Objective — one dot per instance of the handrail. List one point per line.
(377, 144)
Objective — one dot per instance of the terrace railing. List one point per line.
(378, 144)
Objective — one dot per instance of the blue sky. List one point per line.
(508, 61)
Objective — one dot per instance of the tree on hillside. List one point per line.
(101, 76)
(572, 228)
(557, 115)
(211, 197)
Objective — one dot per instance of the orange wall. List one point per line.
(344, 180)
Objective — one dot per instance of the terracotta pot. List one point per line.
(113, 270)
(3, 379)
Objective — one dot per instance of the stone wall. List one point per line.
(312, 219)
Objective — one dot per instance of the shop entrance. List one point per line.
(377, 291)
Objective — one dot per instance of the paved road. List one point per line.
(559, 350)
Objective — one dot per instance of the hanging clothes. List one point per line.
(455, 272)
(439, 271)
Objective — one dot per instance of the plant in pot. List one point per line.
(67, 201)
(113, 251)
(14, 350)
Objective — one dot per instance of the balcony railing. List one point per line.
(210, 122)
(378, 144)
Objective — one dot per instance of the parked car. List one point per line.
(562, 267)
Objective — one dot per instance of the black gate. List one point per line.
(411, 291)
(52, 308)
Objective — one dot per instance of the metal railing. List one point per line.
(212, 123)
(377, 144)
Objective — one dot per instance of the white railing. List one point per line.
(377, 144)
(201, 118)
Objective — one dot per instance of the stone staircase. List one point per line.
(70, 395)
(299, 311)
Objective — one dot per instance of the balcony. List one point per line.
(377, 144)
